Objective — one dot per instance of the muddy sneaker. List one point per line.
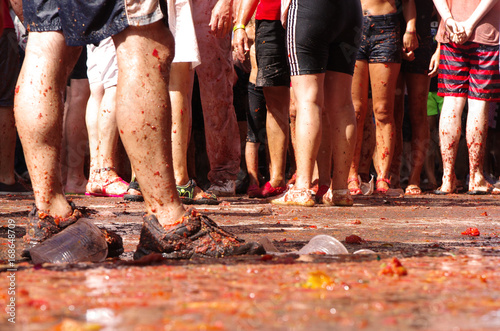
(42, 226)
(224, 189)
(194, 235)
(188, 197)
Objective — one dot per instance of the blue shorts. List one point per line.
(88, 22)
(380, 41)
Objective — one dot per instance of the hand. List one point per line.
(466, 29)
(240, 44)
(434, 64)
(456, 31)
(222, 18)
(408, 55)
(410, 41)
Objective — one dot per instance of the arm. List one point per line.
(410, 40)
(221, 20)
(434, 64)
(17, 5)
(449, 23)
(482, 9)
(240, 38)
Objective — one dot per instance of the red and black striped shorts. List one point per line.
(470, 70)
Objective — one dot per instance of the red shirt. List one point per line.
(268, 10)
(7, 20)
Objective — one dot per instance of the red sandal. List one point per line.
(382, 190)
(354, 190)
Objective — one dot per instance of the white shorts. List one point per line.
(180, 22)
(101, 63)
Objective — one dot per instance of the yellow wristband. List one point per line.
(239, 26)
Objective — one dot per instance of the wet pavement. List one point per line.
(425, 274)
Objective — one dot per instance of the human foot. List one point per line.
(269, 191)
(382, 185)
(105, 182)
(353, 186)
(294, 197)
(338, 198)
(413, 190)
(194, 235)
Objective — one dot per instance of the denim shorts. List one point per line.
(88, 22)
(380, 40)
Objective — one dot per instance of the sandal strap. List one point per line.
(388, 181)
(187, 190)
(352, 179)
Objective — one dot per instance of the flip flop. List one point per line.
(489, 190)
(439, 192)
(103, 189)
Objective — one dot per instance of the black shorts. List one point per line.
(423, 55)
(381, 41)
(9, 67)
(256, 115)
(323, 35)
(80, 69)
(271, 54)
(88, 22)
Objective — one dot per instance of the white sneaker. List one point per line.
(226, 189)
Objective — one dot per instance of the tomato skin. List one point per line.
(474, 232)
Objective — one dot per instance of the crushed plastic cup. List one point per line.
(79, 242)
(323, 244)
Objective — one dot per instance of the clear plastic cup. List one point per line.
(323, 244)
(79, 242)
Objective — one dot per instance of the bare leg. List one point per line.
(75, 136)
(8, 148)
(429, 165)
(338, 104)
(324, 158)
(418, 88)
(252, 161)
(144, 117)
(277, 100)
(308, 91)
(360, 81)
(383, 81)
(450, 128)
(477, 129)
(293, 140)
(368, 145)
(399, 110)
(180, 89)
(39, 113)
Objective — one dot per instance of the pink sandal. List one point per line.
(103, 192)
